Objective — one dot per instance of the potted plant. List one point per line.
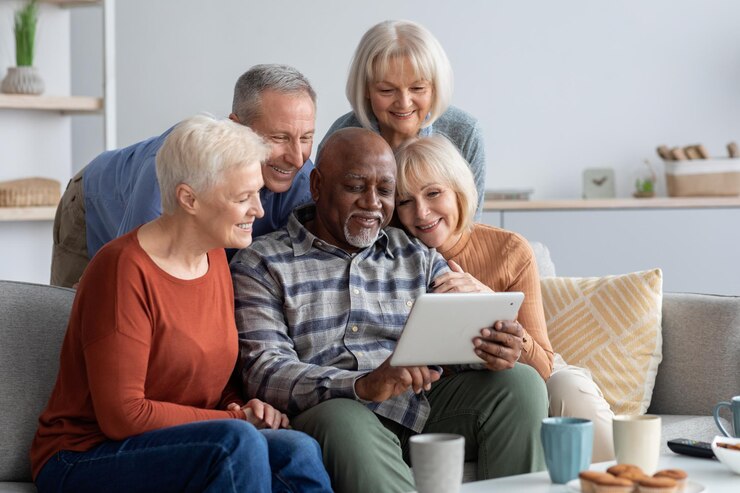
(24, 78)
(645, 187)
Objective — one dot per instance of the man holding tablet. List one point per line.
(320, 305)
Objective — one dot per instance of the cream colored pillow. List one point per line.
(610, 326)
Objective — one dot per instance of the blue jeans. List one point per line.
(218, 456)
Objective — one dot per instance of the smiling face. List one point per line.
(353, 189)
(227, 211)
(431, 213)
(286, 122)
(400, 101)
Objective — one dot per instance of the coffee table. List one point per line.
(708, 472)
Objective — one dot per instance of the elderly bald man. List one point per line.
(320, 305)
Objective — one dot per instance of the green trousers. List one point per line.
(498, 413)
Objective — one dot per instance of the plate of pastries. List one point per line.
(628, 478)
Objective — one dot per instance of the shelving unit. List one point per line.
(71, 3)
(68, 105)
(601, 204)
(27, 213)
(63, 104)
(38, 135)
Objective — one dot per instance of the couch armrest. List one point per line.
(701, 353)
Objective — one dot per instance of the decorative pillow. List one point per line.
(612, 327)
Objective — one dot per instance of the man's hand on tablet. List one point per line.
(501, 345)
(388, 381)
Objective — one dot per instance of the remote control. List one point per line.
(691, 447)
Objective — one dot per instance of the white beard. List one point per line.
(364, 239)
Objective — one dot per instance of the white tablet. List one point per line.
(441, 327)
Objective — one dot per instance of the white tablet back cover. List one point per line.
(441, 327)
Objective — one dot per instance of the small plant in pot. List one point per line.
(24, 78)
(645, 187)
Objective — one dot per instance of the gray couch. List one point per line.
(701, 365)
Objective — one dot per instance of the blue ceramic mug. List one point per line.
(734, 406)
(567, 443)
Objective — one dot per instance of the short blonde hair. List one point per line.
(378, 48)
(436, 159)
(199, 150)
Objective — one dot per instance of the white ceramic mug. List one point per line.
(637, 441)
(437, 460)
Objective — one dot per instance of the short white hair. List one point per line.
(435, 158)
(199, 150)
(386, 42)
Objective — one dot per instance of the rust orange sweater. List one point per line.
(143, 351)
(503, 261)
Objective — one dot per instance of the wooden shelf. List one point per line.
(27, 213)
(654, 203)
(64, 104)
(71, 3)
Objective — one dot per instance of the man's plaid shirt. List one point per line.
(313, 318)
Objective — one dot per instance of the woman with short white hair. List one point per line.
(435, 199)
(142, 400)
(400, 85)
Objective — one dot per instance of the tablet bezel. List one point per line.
(440, 327)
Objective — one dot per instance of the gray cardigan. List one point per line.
(455, 124)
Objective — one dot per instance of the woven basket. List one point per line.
(29, 192)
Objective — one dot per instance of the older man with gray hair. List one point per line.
(118, 190)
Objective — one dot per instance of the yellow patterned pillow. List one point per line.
(610, 326)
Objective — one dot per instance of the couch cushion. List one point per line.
(700, 428)
(701, 343)
(17, 488)
(545, 265)
(33, 320)
(611, 326)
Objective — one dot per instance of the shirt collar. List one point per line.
(264, 193)
(303, 240)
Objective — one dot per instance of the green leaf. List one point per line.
(25, 33)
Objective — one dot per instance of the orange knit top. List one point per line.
(143, 350)
(504, 261)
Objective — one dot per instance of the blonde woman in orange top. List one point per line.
(436, 201)
(142, 401)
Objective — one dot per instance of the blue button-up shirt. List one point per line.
(122, 192)
(313, 318)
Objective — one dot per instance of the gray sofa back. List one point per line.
(701, 360)
(33, 321)
(701, 353)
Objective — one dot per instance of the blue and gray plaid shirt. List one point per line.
(313, 318)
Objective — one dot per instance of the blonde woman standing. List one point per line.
(400, 85)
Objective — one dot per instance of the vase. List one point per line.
(22, 80)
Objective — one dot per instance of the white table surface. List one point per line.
(708, 472)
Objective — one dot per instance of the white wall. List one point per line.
(558, 86)
(86, 46)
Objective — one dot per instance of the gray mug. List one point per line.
(734, 406)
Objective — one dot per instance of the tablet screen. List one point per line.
(441, 327)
